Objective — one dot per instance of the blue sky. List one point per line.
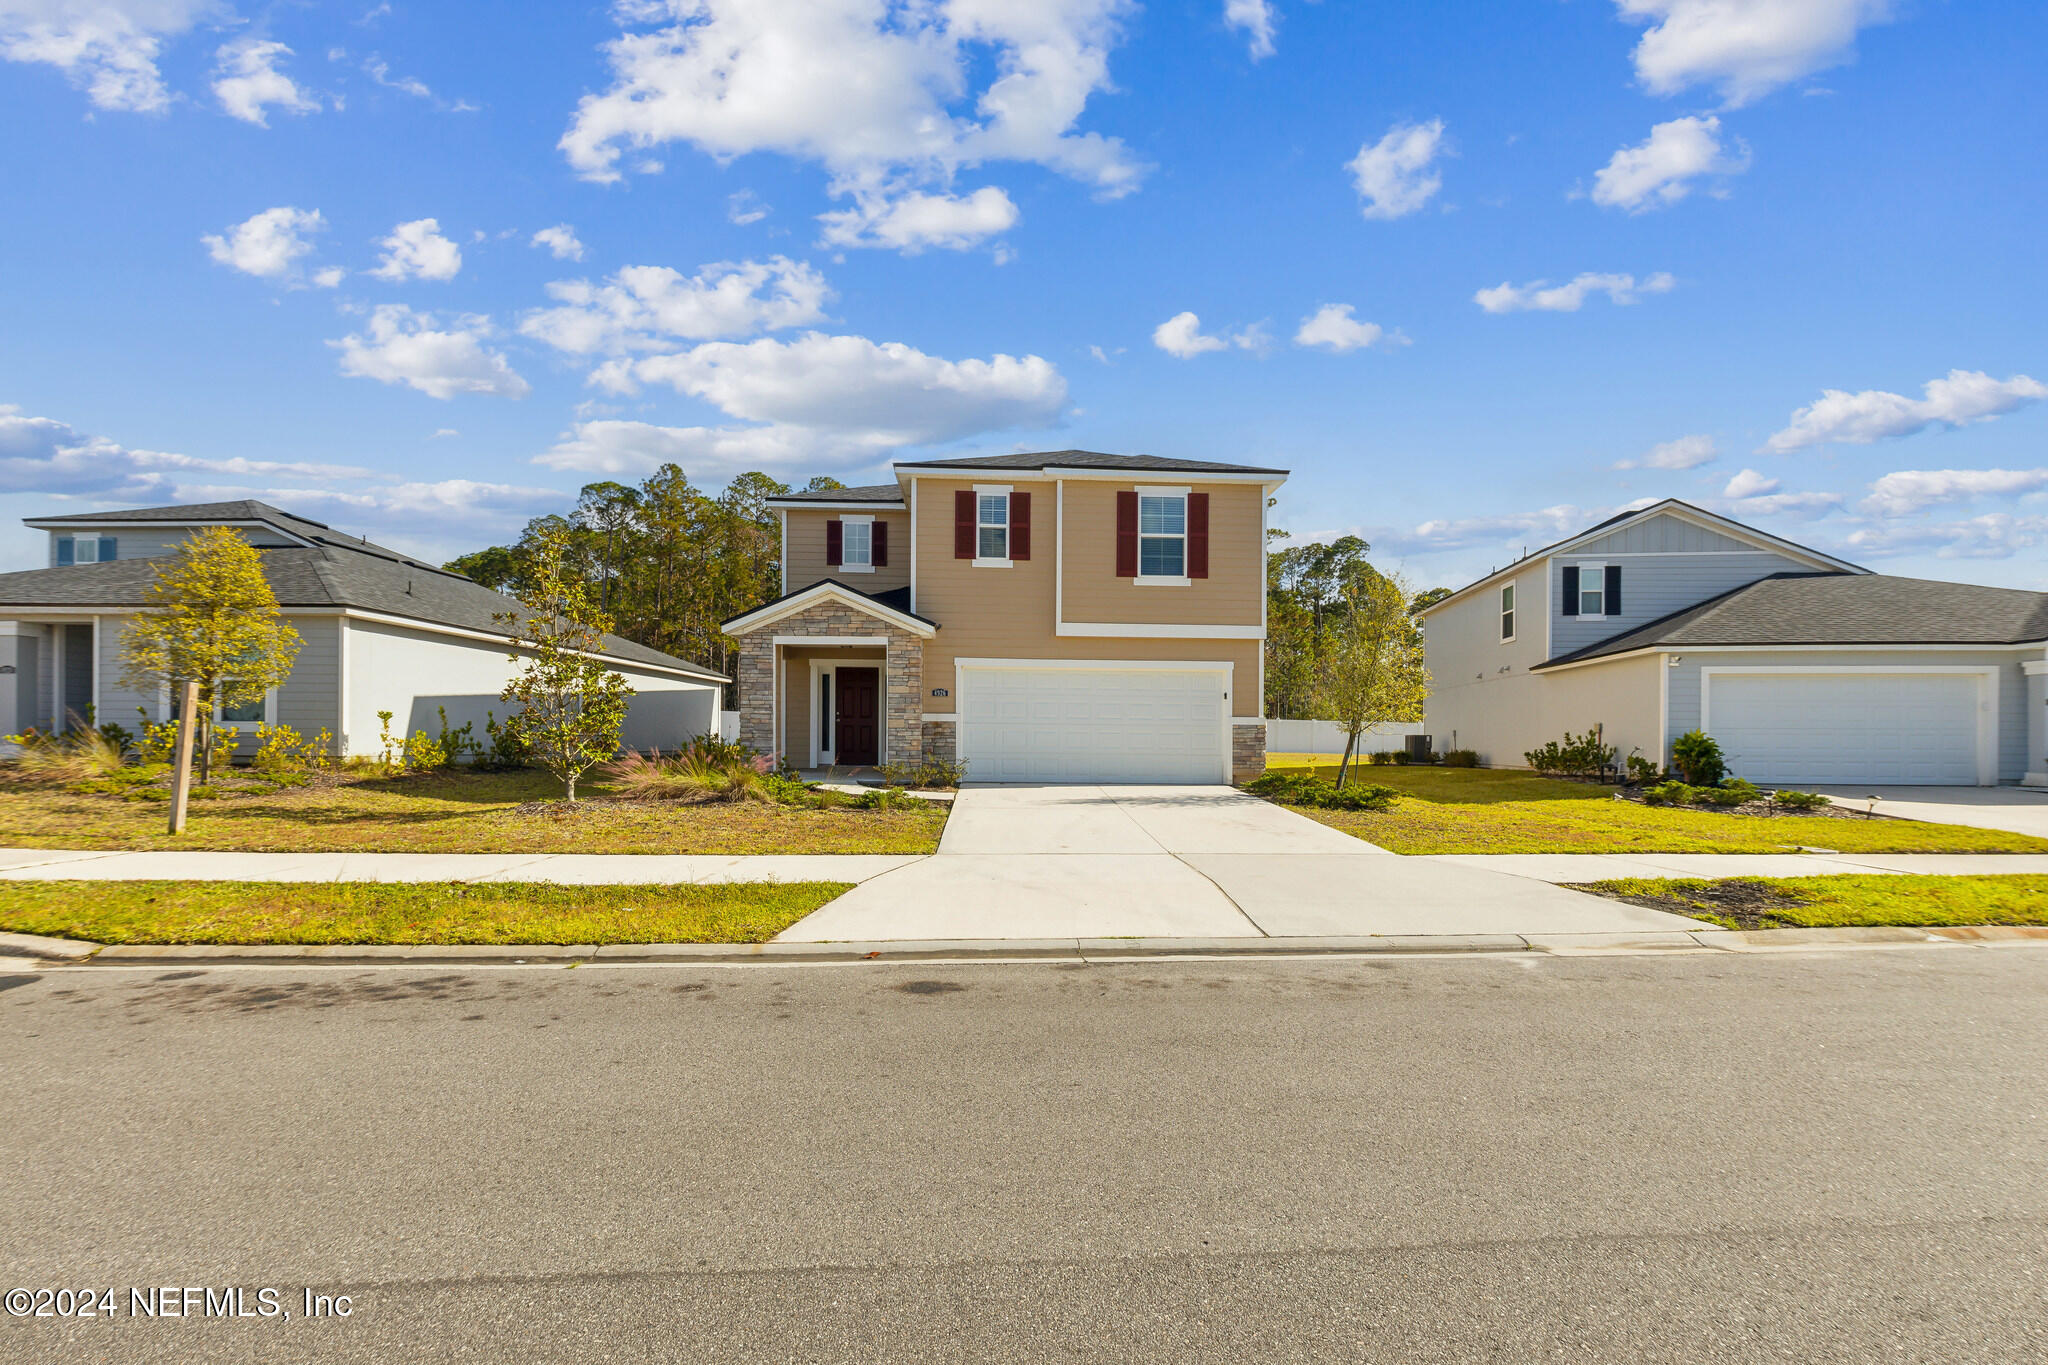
(1478, 274)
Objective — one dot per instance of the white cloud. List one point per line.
(745, 207)
(418, 251)
(1747, 48)
(885, 97)
(1845, 418)
(912, 221)
(1996, 535)
(1661, 169)
(814, 399)
(1508, 532)
(270, 244)
(1749, 484)
(247, 82)
(108, 48)
(1181, 335)
(1911, 490)
(643, 307)
(43, 455)
(379, 70)
(560, 239)
(1786, 504)
(1687, 452)
(1394, 175)
(1542, 296)
(404, 347)
(1333, 328)
(1257, 19)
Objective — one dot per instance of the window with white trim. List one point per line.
(246, 711)
(856, 543)
(1507, 613)
(992, 526)
(1592, 589)
(1162, 535)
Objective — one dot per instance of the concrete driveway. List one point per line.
(1186, 862)
(2022, 810)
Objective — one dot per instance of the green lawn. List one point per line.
(1833, 902)
(454, 812)
(386, 912)
(1486, 810)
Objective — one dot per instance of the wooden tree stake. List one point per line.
(181, 770)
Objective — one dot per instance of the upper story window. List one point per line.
(857, 544)
(1592, 595)
(992, 526)
(1507, 613)
(92, 549)
(1592, 590)
(1162, 535)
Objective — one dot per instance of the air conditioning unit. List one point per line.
(1420, 747)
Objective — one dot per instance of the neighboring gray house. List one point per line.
(379, 632)
(1805, 668)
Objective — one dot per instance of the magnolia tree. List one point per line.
(1371, 672)
(572, 706)
(210, 617)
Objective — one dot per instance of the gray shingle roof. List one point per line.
(335, 573)
(1088, 459)
(896, 599)
(873, 492)
(1841, 609)
(248, 509)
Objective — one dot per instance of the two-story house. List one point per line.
(379, 631)
(1806, 669)
(1058, 617)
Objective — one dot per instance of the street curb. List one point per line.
(1754, 941)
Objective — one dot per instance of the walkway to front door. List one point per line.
(1196, 862)
(856, 718)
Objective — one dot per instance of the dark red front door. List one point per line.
(856, 719)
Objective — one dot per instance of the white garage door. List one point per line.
(1093, 725)
(1900, 728)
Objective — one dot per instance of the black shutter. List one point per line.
(1571, 590)
(1611, 598)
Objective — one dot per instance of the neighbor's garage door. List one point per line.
(1093, 725)
(1903, 728)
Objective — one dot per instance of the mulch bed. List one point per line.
(1744, 903)
(1766, 810)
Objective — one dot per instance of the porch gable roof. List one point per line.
(829, 590)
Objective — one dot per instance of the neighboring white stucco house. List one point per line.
(1805, 668)
(380, 632)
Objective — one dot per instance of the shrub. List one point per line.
(507, 749)
(1698, 759)
(1297, 789)
(885, 798)
(1384, 756)
(75, 756)
(1790, 800)
(1641, 771)
(281, 750)
(1573, 756)
(1669, 793)
(1724, 796)
(1461, 758)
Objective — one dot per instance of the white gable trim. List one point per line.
(824, 592)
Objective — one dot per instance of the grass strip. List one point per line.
(409, 912)
(1839, 901)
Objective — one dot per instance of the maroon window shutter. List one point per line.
(963, 524)
(1127, 533)
(1198, 535)
(834, 539)
(1020, 526)
(878, 545)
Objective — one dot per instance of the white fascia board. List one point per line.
(1147, 630)
(119, 526)
(847, 641)
(1102, 665)
(1679, 650)
(836, 506)
(810, 597)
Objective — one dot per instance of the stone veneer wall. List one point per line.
(902, 677)
(938, 740)
(1247, 751)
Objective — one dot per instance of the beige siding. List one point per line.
(1008, 613)
(1506, 717)
(798, 706)
(805, 553)
(1230, 595)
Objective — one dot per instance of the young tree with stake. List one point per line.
(572, 705)
(1372, 672)
(209, 618)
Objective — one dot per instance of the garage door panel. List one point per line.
(1093, 725)
(1909, 728)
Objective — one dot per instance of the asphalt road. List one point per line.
(1521, 1158)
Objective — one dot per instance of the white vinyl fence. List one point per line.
(1327, 737)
